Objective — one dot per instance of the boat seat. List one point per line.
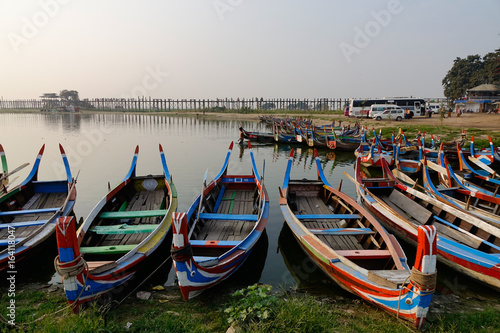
(327, 216)
(233, 217)
(110, 249)
(29, 211)
(96, 267)
(124, 229)
(365, 254)
(131, 214)
(22, 224)
(213, 243)
(343, 231)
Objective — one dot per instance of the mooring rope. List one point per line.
(420, 280)
(181, 254)
(106, 307)
(69, 268)
(65, 272)
(424, 281)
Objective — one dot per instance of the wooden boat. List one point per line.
(449, 148)
(5, 169)
(409, 163)
(465, 177)
(28, 213)
(355, 251)
(465, 242)
(256, 136)
(371, 155)
(488, 157)
(220, 229)
(5, 175)
(481, 205)
(126, 227)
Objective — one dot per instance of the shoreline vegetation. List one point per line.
(279, 310)
(44, 308)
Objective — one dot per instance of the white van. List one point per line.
(386, 111)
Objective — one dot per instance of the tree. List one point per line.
(70, 96)
(470, 72)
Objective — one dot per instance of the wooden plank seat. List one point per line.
(22, 224)
(110, 249)
(213, 243)
(389, 278)
(96, 267)
(232, 217)
(124, 229)
(5, 242)
(29, 211)
(462, 236)
(133, 214)
(365, 254)
(342, 231)
(327, 216)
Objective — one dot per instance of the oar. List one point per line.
(260, 197)
(19, 168)
(204, 185)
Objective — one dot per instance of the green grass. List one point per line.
(167, 312)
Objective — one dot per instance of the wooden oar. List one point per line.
(19, 168)
(261, 186)
(204, 185)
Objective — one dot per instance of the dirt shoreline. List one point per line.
(484, 121)
(468, 120)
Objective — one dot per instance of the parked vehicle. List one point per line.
(386, 111)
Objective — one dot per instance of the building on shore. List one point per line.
(483, 98)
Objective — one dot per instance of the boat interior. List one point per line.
(127, 219)
(228, 214)
(420, 212)
(31, 208)
(338, 225)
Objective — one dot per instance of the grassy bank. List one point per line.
(287, 311)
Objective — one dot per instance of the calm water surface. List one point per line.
(100, 149)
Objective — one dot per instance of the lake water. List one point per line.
(100, 149)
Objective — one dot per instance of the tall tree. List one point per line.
(69, 96)
(469, 72)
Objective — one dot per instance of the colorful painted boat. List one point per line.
(5, 175)
(465, 242)
(29, 211)
(465, 178)
(479, 176)
(125, 228)
(371, 155)
(355, 251)
(486, 156)
(5, 170)
(484, 206)
(409, 163)
(255, 136)
(220, 229)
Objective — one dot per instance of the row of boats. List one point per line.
(348, 240)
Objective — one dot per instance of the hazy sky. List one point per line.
(239, 48)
